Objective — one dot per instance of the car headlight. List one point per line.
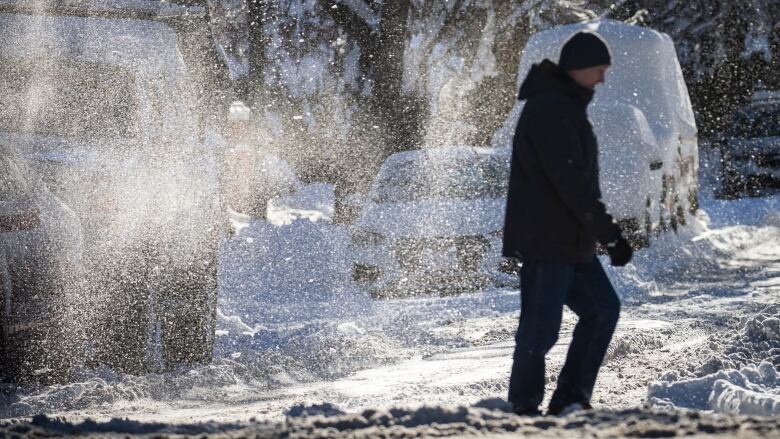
(365, 238)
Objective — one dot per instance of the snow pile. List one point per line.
(274, 273)
(324, 409)
(751, 390)
(749, 399)
(247, 361)
(325, 350)
(695, 254)
(493, 416)
(482, 417)
(102, 387)
(750, 211)
(741, 377)
(326, 420)
(623, 346)
(314, 202)
(757, 340)
(44, 426)
(671, 256)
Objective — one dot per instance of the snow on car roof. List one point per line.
(644, 72)
(457, 151)
(621, 36)
(141, 45)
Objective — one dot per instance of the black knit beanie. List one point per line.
(583, 50)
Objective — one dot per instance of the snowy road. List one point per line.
(697, 323)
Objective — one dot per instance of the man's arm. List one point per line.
(560, 153)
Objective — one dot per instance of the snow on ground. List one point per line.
(300, 350)
(740, 376)
(486, 419)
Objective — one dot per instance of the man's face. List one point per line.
(589, 76)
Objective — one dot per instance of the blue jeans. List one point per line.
(544, 288)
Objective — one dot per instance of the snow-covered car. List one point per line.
(750, 155)
(643, 119)
(101, 100)
(432, 222)
(40, 271)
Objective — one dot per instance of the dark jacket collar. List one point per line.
(546, 77)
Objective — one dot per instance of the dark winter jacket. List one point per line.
(554, 212)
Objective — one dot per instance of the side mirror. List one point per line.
(16, 216)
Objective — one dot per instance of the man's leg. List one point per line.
(595, 302)
(543, 290)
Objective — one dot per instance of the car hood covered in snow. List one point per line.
(447, 191)
(434, 218)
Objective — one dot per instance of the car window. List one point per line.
(14, 183)
(759, 122)
(432, 178)
(67, 98)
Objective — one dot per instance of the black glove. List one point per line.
(620, 251)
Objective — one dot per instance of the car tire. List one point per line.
(123, 320)
(144, 310)
(693, 200)
(666, 212)
(188, 321)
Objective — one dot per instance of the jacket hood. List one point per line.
(547, 77)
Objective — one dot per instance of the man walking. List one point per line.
(554, 218)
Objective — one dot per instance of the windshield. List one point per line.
(757, 122)
(439, 178)
(67, 98)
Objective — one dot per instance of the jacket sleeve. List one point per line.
(560, 152)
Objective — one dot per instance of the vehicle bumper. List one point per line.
(440, 283)
(761, 169)
(379, 271)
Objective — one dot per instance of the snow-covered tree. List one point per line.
(339, 84)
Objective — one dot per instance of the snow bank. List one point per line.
(247, 361)
(486, 417)
(623, 346)
(402, 420)
(752, 390)
(101, 387)
(276, 273)
(493, 416)
(731, 398)
(699, 250)
(670, 257)
(325, 350)
(741, 376)
(762, 211)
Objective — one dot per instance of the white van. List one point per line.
(643, 119)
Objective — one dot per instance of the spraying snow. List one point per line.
(301, 349)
